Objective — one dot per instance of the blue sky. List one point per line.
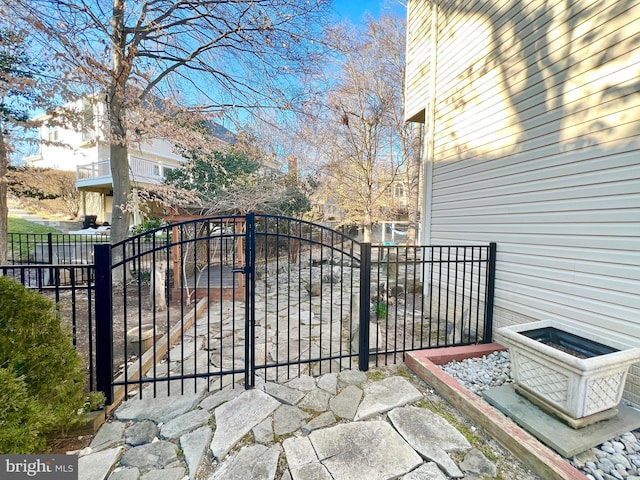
(355, 9)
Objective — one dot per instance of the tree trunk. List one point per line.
(119, 161)
(120, 218)
(117, 126)
(367, 226)
(366, 233)
(4, 209)
(158, 286)
(121, 185)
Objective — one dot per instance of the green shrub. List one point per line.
(148, 224)
(94, 401)
(21, 421)
(380, 308)
(36, 350)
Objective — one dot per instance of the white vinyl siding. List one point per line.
(417, 65)
(568, 235)
(537, 139)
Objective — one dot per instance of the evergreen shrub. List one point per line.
(42, 377)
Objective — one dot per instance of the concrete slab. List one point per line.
(140, 433)
(288, 419)
(316, 400)
(299, 452)
(345, 404)
(194, 446)
(185, 423)
(363, 451)
(283, 393)
(218, 398)
(174, 473)
(255, 462)
(382, 396)
(163, 407)
(426, 471)
(304, 383)
(328, 382)
(323, 420)
(236, 418)
(110, 435)
(419, 426)
(96, 466)
(154, 456)
(553, 432)
(263, 432)
(125, 474)
(310, 471)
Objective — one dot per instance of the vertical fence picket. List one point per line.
(250, 300)
(365, 306)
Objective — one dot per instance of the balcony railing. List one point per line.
(93, 170)
(140, 170)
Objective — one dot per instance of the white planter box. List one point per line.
(579, 390)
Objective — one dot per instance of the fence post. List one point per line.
(250, 301)
(52, 272)
(365, 306)
(491, 286)
(104, 320)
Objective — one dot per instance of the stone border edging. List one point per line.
(524, 446)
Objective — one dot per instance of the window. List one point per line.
(399, 191)
(88, 128)
(52, 134)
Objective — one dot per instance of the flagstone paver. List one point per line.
(340, 424)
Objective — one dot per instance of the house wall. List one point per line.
(64, 147)
(158, 148)
(536, 139)
(61, 157)
(418, 59)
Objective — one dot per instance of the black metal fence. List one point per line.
(61, 248)
(430, 296)
(228, 298)
(72, 288)
(218, 300)
(60, 266)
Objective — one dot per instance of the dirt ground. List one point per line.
(129, 303)
(85, 342)
(68, 444)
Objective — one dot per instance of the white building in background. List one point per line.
(85, 151)
(532, 121)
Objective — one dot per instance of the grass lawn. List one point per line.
(18, 225)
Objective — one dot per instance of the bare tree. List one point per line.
(365, 146)
(47, 189)
(218, 55)
(65, 185)
(389, 34)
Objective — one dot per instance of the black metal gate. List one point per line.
(213, 301)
